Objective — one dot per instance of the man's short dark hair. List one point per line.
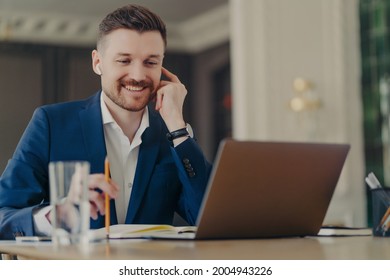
(132, 17)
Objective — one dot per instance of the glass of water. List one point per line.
(69, 201)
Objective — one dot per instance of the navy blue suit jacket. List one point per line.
(74, 131)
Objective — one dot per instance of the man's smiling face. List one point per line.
(130, 66)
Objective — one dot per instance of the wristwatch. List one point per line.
(182, 132)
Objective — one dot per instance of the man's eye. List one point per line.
(151, 63)
(123, 61)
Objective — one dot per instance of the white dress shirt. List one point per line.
(123, 157)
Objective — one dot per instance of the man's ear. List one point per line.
(96, 62)
(98, 71)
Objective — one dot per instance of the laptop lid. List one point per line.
(269, 189)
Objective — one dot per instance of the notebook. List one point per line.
(268, 189)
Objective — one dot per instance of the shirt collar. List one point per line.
(107, 117)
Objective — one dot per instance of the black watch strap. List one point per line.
(177, 134)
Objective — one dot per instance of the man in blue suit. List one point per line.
(157, 168)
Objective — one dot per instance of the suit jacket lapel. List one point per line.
(146, 161)
(93, 135)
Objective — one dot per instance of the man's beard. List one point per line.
(138, 103)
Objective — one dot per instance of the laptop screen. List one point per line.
(269, 189)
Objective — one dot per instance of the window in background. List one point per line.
(375, 51)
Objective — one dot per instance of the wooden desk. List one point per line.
(309, 248)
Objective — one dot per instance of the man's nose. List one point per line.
(137, 72)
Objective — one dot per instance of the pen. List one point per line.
(107, 198)
(385, 219)
(386, 223)
(374, 184)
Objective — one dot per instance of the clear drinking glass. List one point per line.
(70, 212)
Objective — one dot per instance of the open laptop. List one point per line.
(268, 189)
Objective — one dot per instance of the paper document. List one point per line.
(138, 231)
(344, 231)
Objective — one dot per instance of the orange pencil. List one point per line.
(384, 218)
(107, 198)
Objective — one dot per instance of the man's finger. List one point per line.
(97, 181)
(93, 211)
(160, 94)
(159, 97)
(172, 77)
(97, 202)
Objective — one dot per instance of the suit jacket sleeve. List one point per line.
(194, 171)
(24, 182)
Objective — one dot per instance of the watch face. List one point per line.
(189, 130)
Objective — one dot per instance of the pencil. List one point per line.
(107, 198)
(384, 218)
